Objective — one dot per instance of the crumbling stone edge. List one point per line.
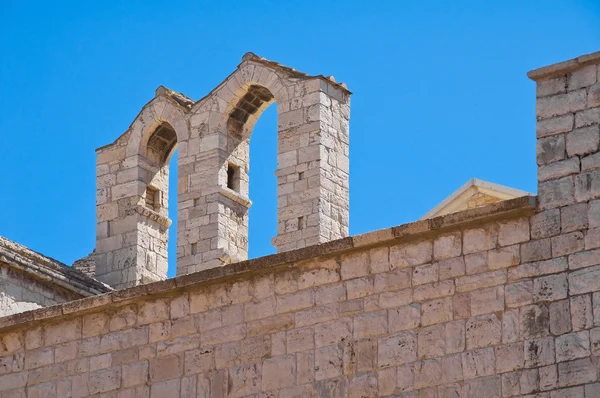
(508, 209)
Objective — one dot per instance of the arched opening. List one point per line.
(159, 202)
(252, 238)
(263, 185)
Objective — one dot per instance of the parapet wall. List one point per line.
(490, 302)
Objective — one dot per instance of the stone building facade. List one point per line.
(497, 301)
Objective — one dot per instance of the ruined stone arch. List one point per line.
(212, 135)
(132, 214)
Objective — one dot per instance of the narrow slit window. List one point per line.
(301, 223)
(301, 175)
(152, 198)
(233, 177)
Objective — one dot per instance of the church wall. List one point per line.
(476, 304)
(20, 292)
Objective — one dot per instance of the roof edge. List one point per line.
(564, 66)
(508, 209)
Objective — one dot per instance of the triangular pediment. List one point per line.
(475, 193)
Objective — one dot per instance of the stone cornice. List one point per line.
(509, 209)
(564, 67)
(154, 216)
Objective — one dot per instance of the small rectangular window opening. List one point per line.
(301, 223)
(233, 177)
(301, 175)
(194, 248)
(152, 198)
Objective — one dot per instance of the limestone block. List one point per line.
(330, 294)
(451, 267)
(434, 290)
(559, 169)
(447, 246)
(153, 311)
(509, 357)
(595, 341)
(361, 287)
(391, 281)
(333, 332)
(513, 231)
(576, 372)
(519, 294)
(534, 321)
(431, 342)
(561, 104)
(488, 300)
(594, 96)
(397, 349)
(479, 281)
(557, 193)
(39, 357)
(295, 301)
(104, 380)
(596, 308)
(328, 362)
(427, 373)
(363, 385)
(300, 340)
(485, 387)
(455, 336)
(436, 311)
(550, 288)
(572, 346)
(479, 239)
(587, 186)
(484, 330)
(550, 149)
(529, 381)
(548, 377)
(412, 254)
(370, 324)
(581, 312)
(582, 77)
(538, 268)
(539, 352)
(510, 384)
(425, 274)
(476, 262)
(404, 318)
(584, 280)
(560, 317)
(551, 85)
(316, 315)
(134, 374)
(555, 125)
(478, 363)
(545, 224)
(587, 117)
(583, 141)
(503, 257)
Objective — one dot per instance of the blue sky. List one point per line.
(440, 96)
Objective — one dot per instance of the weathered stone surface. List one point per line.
(500, 300)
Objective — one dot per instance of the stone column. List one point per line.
(568, 134)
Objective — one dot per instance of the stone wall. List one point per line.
(20, 292)
(498, 301)
(490, 302)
